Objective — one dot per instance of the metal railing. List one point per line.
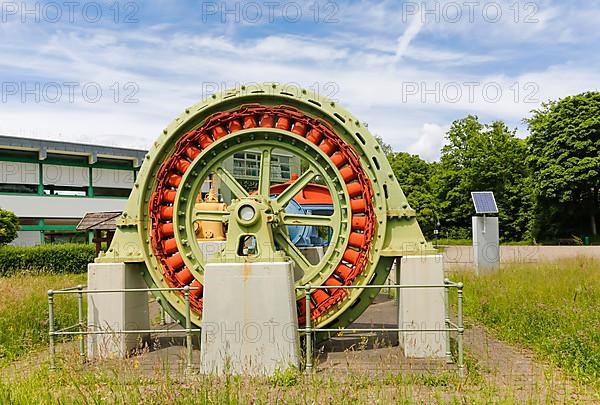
(457, 327)
(308, 329)
(80, 291)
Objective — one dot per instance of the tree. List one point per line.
(414, 175)
(564, 149)
(483, 157)
(9, 225)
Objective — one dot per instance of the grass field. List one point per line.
(551, 308)
(24, 311)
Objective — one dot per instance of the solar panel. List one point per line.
(484, 202)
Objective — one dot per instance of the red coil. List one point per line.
(339, 159)
(184, 276)
(169, 246)
(166, 213)
(168, 196)
(354, 189)
(359, 222)
(196, 293)
(192, 152)
(347, 174)
(351, 256)
(175, 262)
(299, 128)
(205, 141)
(218, 133)
(314, 136)
(356, 239)
(166, 230)
(317, 132)
(328, 147)
(283, 123)
(182, 165)
(266, 121)
(234, 126)
(343, 271)
(358, 205)
(174, 180)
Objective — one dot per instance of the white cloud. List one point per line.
(429, 142)
(173, 68)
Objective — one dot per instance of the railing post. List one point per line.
(161, 311)
(188, 328)
(397, 263)
(447, 320)
(80, 320)
(308, 331)
(51, 330)
(461, 330)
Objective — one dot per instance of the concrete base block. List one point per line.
(249, 323)
(116, 311)
(422, 308)
(486, 244)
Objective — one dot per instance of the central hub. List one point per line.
(246, 213)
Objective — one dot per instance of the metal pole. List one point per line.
(461, 330)
(397, 269)
(161, 311)
(51, 329)
(80, 319)
(188, 327)
(447, 320)
(308, 335)
(399, 317)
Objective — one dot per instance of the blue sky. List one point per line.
(408, 69)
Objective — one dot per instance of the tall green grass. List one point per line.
(551, 308)
(24, 311)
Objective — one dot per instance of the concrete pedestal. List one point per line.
(116, 311)
(249, 323)
(486, 244)
(422, 308)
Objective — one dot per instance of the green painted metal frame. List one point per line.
(398, 233)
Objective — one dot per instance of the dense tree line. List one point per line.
(546, 185)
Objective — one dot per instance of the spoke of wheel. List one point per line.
(296, 187)
(216, 216)
(264, 181)
(308, 220)
(292, 251)
(230, 181)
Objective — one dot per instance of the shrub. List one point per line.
(56, 259)
(9, 225)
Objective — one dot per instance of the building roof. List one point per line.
(102, 221)
(92, 151)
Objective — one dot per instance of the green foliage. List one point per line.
(59, 258)
(414, 175)
(483, 157)
(286, 378)
(550, 308)
(564, 155)
(9, 225)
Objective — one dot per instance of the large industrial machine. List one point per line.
(344, 199)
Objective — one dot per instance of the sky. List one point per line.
(117, 72)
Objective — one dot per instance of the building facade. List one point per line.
(51, 185)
